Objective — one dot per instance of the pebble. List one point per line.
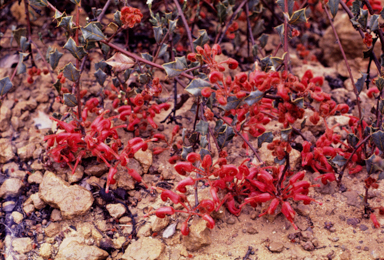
(334, 239)
(170, 230)
(276, 247)
(230, 220)
(363, 227)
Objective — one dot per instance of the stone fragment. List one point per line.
(17, 217)
(11, 187)
(160, 223)
(5, 116)
(71, 200)
(96, 170)
(276, 247)
(37, 201)
(7, 150)
(145, 159)
(72, 248)
(146, 248)
(56, 215)
(36, 177)
(53, 229)
(199, 235)
(26, 152)
(76, 176)
(45, 250)
(116, 210)
(22, 245)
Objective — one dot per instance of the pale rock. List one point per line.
(38, 151)
(11, 166)
(119, 242)
(26, 152)
(199, 235)
(29, 105)
(28, 209)
(125, 220)
(11, 187)
(146, 248)
(160, 223)
(7, 150)
(45, 250)
(17, 174)
(76, 176)
(53, 229)
(96, 182)
(73, 249)
(37, 201)
(144, 231)
(71, 200)
(36, 177)
(123, 179)
(96, 170)
(116, 210)
(42, 98)
(5, 116)
(56, 215)
(276, 247)
(17, 217)
(22, 245)
(88, 231)
(269, 159)
(145, 159)
(37, 166)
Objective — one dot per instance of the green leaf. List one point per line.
(66, 22)
(290, 6)
(147, 56)
(5, 85)
(77, 51)
(276, 61)
(265, 137)
(253, 97)
(266, 64)
(163, 50)
(360, 82)
(18, 33)
(204, 152)
(339, 160)
(374, 22)
(175, 68)
(203, 39)
(224, 138)
(71, 73)
(371, 164)
(356, 7)
(117, 18)
(378, 140)
(21, 68)
(298, 17)
(54, 58)
(363, 18)
(280, 31)
(380, 83)
(158, 33)
(57, 86)
(202, 127)
(285, 133)
(100, 65)
(203, 141)
(186, 150)
(333, 7)
(196, 86)
(263, 39)
(101, 76)
(38, 3)
(24, 44)
(352, 139)
(221, 12)
(70, 100)
(92, 32)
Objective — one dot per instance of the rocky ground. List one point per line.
(48, 213)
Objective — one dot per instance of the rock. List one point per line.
(276, 247)
(37, 166)
(123, 179)
(119, 242)
(23, 106)
(36, 177)
(71, 200)
(53, 229)
(22, 245)
(26, 152)
(160, 223)
(199, 235)
(363, 227)
(303, 210)
(145, 248)
(230, 220)
(308, 246)
(266, 156)
(17, 217)
(144, 231)
(334, 239)
(28, 209)
(170, 230)
(56, 215)
(346, 255)
(73, 249)
(8, 206)
(17, 174)
(11, 187)
(353, 198)
(45, 250)
(96, 170)
(144, 158)
(76, 176)
(7, 150)
(349, 38)
(37, 201)
(5, 116)
(125, 220)
(252, 230)
(106, 244)
(116, 210)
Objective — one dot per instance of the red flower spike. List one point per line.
(181, 186)
(289, 213)
(374, 220)
(306, 200)
(175, 130)
(207, 161)
(173, 159)
(134, 175)
(110, 178)
(297, 177)
(161, 212)
(207, 205)
(215, 76)
(229, 169)
(325, 178)
(185, 228)
(167, 194)
(130, 16)
(272, 207)
(192, 57)
(183, 167)
(193, 157)
(209, 220)
(232, 64)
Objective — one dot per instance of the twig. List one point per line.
(187, 30)
(231, 20)
(378, 31)
(286, 36)
(249, 251)
(103, 11)
(286, 167)
(242, 137)
(44, 61)
(345, 59)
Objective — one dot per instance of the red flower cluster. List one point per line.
(130, 16)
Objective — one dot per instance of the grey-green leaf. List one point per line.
(77, 51)
(339, 160)
(175, 68)
(353, 140)
(380, 83)
(202, 127)
(5, 85)
(280, 31)
(54, 58)
(196, 86)
(70, 100)
(333, 7)
(92, 32)
(290, 6)
(18, 33)
(298, 17)
(363, 18)
(378, 140)
(186, 150)
(265, 137)
(374, 22)
(253, 97)
(38, 3)
(116, 18)
(101, 76)
(203, 39)
(360, 82)
(224, 138)
(285, 133)
(71, 73)
(263, 39)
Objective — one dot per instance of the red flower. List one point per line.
(130, 16)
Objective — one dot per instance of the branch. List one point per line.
(231, 20)
(103, 11)
(188, 31)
